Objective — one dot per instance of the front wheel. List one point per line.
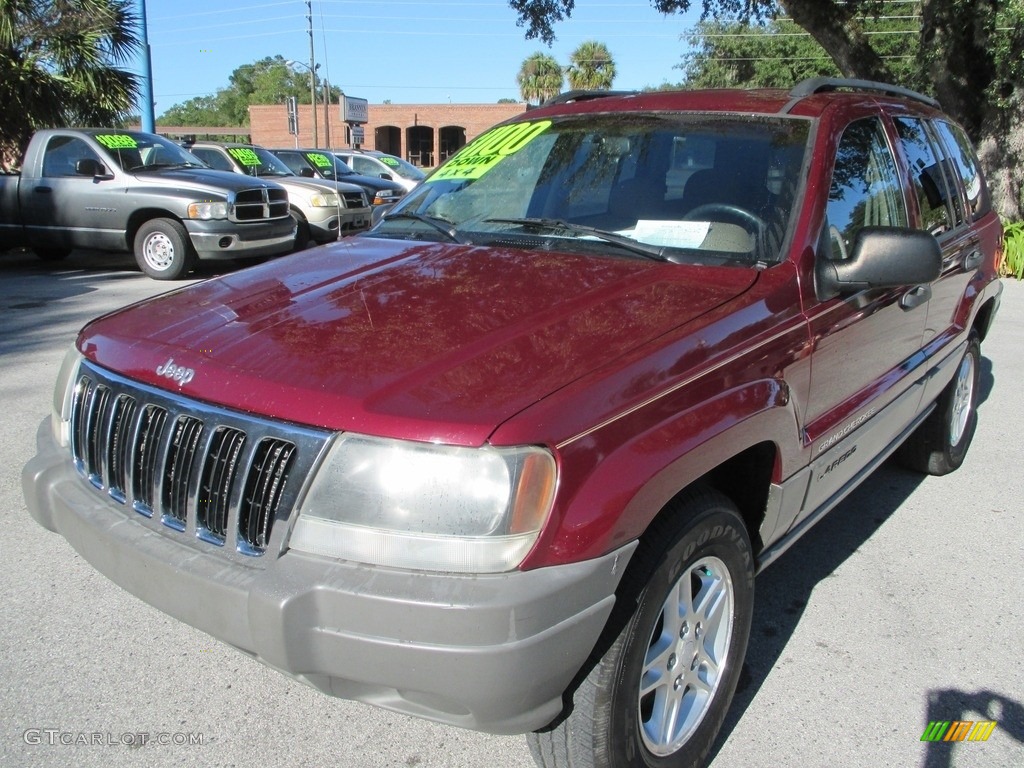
(939, 446)
(663, 676)
(163, 249)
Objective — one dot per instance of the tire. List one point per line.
(51, 254)
(940, 444)
(163, 249)
(302, 233)
(650, 659)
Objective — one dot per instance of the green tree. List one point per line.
(267, 81)
(61, 65)
(591, 67)
(968, 53)
(539, 78)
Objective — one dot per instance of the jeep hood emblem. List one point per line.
(178, 373)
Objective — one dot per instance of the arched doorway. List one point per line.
(419, 142)
(388, 138)
(453, 138)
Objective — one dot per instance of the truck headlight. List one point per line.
(426, 506)
(327, 200)
(383, 196)
(207, 211)
(60, 414)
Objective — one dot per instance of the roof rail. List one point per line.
(571, 96)
(813, 85)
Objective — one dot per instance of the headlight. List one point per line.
(328, 200)
(385, 196)
(426, 506)
(207, 211)
(60, 415)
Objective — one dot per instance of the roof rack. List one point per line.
(571, 96)
(813, 85)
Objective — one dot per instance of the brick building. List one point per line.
(424, 134)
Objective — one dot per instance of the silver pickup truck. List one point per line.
(113, 190)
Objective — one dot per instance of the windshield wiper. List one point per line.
(443, 226)
(163, 166)
(654, 253)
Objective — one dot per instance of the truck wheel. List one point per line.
(52, 254)
(163, 249)
(664, 672)
(940, 444)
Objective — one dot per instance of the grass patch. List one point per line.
(1012, 264)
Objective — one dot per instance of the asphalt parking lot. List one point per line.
(902, 607)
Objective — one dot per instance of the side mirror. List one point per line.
(882, 257)
(306, 173)
(91, 167)
(387, 176)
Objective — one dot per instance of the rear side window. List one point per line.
(934, 196)
(965, 161)
(865, 189)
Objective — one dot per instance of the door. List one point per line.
(866, 346)
(68, 206)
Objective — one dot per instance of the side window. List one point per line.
(293, 160)
(865, 189)
(926, 173)
(213, 158)
(363, 166)
(966, 163)
(63, 152)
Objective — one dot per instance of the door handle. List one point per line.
(43, 190)
(972, 260)
(915, 297)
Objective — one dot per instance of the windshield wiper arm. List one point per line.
(654, 253)
(443, 226)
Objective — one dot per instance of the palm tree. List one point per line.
(539, 78)
(61, 64)
(591, 67)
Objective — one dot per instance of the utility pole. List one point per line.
(312, 72)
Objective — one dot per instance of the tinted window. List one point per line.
(865, 187)
(966, 164)
(213, 158)
(927, 175)
(62, 153)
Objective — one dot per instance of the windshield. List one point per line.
(134, 152)
(257, 161)
(401, 167)
(693, 188)
(329, 166)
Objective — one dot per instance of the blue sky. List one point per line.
(462, 51)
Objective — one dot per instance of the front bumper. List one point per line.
(491, 653)
(324, 223)
(221, 239)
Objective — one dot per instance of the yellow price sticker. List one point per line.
(320, 161)
(480, 156)
(245, 156)
(116, 141)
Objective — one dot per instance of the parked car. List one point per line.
(370, 162)
(512, 459)
(112, 190)
(322, 164)
(322, 209)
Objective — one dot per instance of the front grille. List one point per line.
(354, 199)
(259, 204)
(223, 477)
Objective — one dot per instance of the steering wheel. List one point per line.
(746, 218)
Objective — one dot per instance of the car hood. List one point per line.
(425, 341)
(201, 180)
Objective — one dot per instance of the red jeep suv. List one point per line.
(511, 459)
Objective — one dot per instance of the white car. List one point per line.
(374, 163)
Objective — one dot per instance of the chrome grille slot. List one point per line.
(218, 478)
(205, 474)
(147, 458)
(268, 475)
(178, 469)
